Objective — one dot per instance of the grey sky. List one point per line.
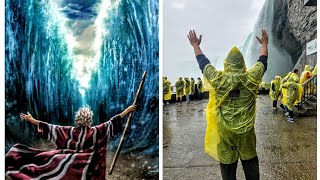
(223, 24)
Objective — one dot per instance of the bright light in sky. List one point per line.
(85, 47)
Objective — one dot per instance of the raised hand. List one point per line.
(128, 110)
(194, 40)
(26, 117)
(264, 37)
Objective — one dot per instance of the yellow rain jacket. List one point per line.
(193, 90)
(231, 109)
(187, 86)
(200, 86)
(179, 87)
(306, 74)
(167, 90)
(293, 94)
(291, 77)
(275, 88)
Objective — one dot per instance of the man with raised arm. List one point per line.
(80, 154)
(231, 109)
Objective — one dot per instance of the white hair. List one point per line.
(84, 116)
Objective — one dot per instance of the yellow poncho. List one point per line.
(307, 72)
(293, 94)
(167, 93)
(275, 88)
(193, 90)
(291, 77)
(231, 110)
(187, 86)
(179, 87)
(200, 86)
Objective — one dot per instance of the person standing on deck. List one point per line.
(200, 88)
(187, 88)
(230, 132)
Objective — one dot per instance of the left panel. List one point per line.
(72, 73)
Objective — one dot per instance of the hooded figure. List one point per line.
(305, 75)
(275, 90)
(187, 88)
(179, 88)
(192, 88)
(166, 90)
(232, 105)
(292, 96)
(231, 110)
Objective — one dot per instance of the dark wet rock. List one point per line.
(293, 26)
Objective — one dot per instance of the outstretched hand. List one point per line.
(128, 110)
(264, 37)
(194, 40)
(132, 108)
(26, 117)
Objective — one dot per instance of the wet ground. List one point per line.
(285, 150)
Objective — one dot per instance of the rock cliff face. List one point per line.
(294, 25)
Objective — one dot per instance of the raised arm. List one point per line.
(195, 43)
(28, 117)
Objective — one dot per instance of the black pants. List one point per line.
(250, 167)
(274, 103)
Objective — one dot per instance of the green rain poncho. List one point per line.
(187, 86)
(231, 110)
(179, 87)
(275, 88)
(193, 90)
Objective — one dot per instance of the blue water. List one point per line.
(61, 56)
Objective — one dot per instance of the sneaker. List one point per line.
(167, 103)
(290, 120)
(286, 114)
(274, 108)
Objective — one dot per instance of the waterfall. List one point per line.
(279, 61)
(58, 60)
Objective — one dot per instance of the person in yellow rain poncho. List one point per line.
(292, 76)
(292, 97)
(200, 88)
(305, 75)
(179, 89)
(275, 91)
(231, 110)
(187, 87)
(192, 88)
(166, 91)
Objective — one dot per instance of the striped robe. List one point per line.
(80, 154)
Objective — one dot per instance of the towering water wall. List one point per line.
(279, 61)
(66, 54)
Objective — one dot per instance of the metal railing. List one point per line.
(309, 89)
